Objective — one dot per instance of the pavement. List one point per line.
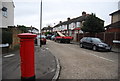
(46, 65)
(0, 64)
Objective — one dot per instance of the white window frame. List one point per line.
(4, 13)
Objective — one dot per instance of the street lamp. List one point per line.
(40, 22)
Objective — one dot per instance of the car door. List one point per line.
(84, 42)
(89, 42)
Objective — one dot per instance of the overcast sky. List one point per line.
(27, 11)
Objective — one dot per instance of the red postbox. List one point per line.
(27, 55)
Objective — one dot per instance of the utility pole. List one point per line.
(40, 22)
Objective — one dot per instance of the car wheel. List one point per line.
(81, 45)
(94, 48)
(60, 41)
(45, 43)
(109, 50)
(68, 42)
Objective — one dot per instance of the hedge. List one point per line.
(6, 36)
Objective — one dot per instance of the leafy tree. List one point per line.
(23, 28)
(93, 24)
(48, 33)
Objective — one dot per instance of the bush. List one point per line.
(6, 36)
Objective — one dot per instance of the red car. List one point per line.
(62, 38)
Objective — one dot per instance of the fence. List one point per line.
(108, 37)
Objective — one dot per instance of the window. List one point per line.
(78, 24)
(89, 39)
(4, 11)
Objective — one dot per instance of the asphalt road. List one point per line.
(80, 63)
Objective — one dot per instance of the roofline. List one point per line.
(115, 12)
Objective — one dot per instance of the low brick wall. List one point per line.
(16, 39)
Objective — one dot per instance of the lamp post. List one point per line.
(40, 22)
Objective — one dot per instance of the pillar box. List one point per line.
(27, 55)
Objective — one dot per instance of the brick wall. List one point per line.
(15, 32)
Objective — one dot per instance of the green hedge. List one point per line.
(6, 36)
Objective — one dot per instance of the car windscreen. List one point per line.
(42, 36)
(53, 36)
(97, 40)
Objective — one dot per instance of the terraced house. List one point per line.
(71, 27)
(6, 13)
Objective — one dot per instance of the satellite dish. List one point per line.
(4, 9)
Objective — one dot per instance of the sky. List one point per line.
(27, 12)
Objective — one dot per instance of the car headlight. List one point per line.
(100, 45)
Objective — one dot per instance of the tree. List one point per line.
(47, 33)
(23, 28)
(93, 24)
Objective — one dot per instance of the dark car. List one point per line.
(94, 43)
(42, 39)
(48, 36)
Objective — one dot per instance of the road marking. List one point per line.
(47, 48)
(101, 57)
(10, 55)
(52, 70)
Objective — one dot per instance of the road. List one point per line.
(80, 63)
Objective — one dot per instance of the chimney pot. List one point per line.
(83, 13)
(68, 18)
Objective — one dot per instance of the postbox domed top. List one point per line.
(27, 35)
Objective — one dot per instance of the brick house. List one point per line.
(72, 26)
(47, 29)
(33, 30)
(115, 22)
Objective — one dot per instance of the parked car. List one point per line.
(43, 39)
(48, 36)
(62, 38)
(94, 43)
(53, 37)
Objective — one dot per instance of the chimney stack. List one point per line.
(60, 22)
(68, 18)
(83, 13)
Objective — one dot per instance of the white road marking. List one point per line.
(96, 56)
(10, 55)
(101, 57)
(52, 70)
(47, 48)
